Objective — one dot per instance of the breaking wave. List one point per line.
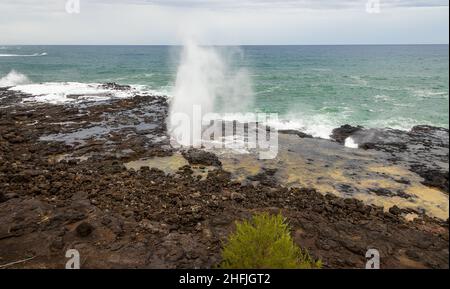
(23, 55)
(14, 78)
(75, 92)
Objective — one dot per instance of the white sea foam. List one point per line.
(148, 90)
(23, 55)
(14, 78)
(73, 92)
(350, 143)
(316, 126)
(359, 80)
(427, 93)
(322, 69)
(381, 97)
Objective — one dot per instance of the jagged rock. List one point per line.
(433, 178)
(2, 197)
(199, 157)
(84, 229)
(382, 192)
(237, 197)
(342, 133)
(115, 86)
(395, 210)
(295, 132)
(424, 149)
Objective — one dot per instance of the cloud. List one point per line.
(223, 22)
(227, 4)
(310, 4)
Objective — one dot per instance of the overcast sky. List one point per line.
(226, 22)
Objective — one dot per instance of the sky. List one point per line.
(224, 22)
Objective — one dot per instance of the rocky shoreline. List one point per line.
(102, 178)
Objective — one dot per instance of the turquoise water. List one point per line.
(312, 86)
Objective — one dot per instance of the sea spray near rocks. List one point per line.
(14, 78)
(204, 80)
(75, 92)
(350, 143)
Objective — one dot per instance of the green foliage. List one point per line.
(264, 242)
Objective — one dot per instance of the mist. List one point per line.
(207, 82)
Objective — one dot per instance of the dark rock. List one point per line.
(199, 157)
(428, 129)
(115, 86)
(84, 229)
(382, 192)
(237, 197)
(270, 172)
(57, 244)
(342, 133)
(403, 181)
(392, 147)
(219, 176)
(3, 198)
(424, 150)
(433, 178)
(395, 210)
(295, 132)
(33, 173)
(266, 177)
(346, 188)
(11, 196)
(403, 195)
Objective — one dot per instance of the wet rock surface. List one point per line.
(424, 149)
(115, 86)
(342, 133)
(295, 132)
(84, 229)
(63, 170)
(199, 157)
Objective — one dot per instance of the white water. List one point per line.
(350, 143)
(204, 78)
(23, 55)
(73, 92)
(14, 78)
(317, 126)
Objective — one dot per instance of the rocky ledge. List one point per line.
(424, 149)
(64, 185)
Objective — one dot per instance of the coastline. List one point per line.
(171, 210)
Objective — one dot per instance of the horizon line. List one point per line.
(349, 44)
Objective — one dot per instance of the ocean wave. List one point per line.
(148, 90)
(317, 126)
(359, 80)
(381, 97)
(427, 93)
(322, 125)
(399, 123)
(14, 78)
(322, 69)
(23, 55)
(74, 92)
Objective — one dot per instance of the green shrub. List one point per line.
(264, 242)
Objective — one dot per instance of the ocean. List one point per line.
(312, 88)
